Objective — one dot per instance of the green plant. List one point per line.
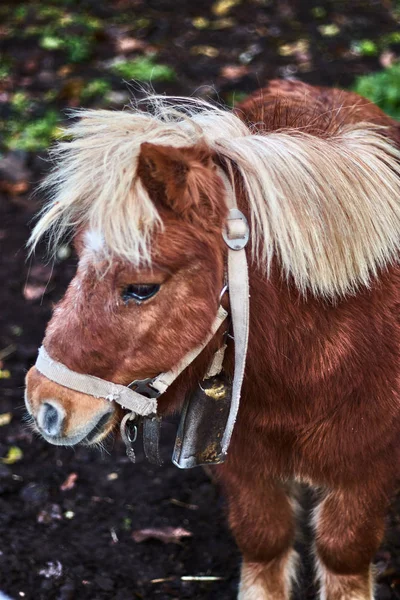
(365, 48)
(30, 135)
(78, 48)
(60, 32)
(144, 68)
(96, 87)
(5, 67)
(51, 42)
(382, 88)
(20, 102)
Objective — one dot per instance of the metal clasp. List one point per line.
(132, 432)
(144, 387)
(129, 431)
(236, 232)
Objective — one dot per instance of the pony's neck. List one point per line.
(294, 338)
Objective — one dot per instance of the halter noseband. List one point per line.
(140, 397)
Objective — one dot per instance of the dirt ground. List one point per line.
(67, 516)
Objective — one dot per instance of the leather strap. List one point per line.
(162, 382)
(151, 439)
(94, 386)
(236, 237)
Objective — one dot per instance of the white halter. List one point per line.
(143, 399)
(145, 403)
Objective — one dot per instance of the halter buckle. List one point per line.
(144, 387)
(236, 232)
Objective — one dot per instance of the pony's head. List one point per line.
(147, 221)
(143, 197)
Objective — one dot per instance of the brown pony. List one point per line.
(317, 174)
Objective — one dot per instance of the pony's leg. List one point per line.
(262, 520)
(349, 530)
(268, 581)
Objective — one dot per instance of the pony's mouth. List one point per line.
(67, 418)
(100, 430)
(89, 436)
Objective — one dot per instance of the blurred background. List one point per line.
(77, 524)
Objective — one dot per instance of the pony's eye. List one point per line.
(140, 292)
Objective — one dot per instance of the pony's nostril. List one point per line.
(50, 419)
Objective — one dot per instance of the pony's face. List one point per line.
(122, 322)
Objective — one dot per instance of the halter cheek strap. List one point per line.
(236, 236)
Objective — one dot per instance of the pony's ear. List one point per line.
(183, 179)
(165, 165)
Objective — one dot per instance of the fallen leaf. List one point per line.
(246, 57)
(64, 71)
(387, 58)
(222, 7)
(14, 454)
(299, 48)
(209, 51)
(53, 570)
(329, 30)
(5, 374)
(223, 23)
(201, 23)
(184, 504)
(52, 512)
(6, 352)
(168, 535)
(5, 418)
(201, 578)
(14, 189)
(72, 88)
(69, 483)
(128, 44)
(234, 71)
(114, 536)
(34, 292)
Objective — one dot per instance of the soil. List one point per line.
(64, 544)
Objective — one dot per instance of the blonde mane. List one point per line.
(328, 208)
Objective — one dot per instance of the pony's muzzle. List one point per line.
(65, 417)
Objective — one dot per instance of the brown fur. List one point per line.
(321, 396)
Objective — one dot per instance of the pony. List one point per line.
(316, 172)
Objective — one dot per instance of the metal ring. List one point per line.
(224, 289)
(125, 428)
(135, 433)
